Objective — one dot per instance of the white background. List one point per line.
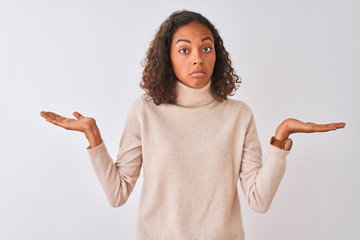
(297, 59)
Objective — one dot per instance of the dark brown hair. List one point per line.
(158, 78)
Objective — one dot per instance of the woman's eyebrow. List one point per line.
(207, 38)
(182, 40)
(188, 41)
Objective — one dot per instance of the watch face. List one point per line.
(288, 144)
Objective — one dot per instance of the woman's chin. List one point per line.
(196, 82)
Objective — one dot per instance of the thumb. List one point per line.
(78, 115)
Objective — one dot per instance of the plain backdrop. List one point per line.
(297, 59)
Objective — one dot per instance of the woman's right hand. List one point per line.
(81, 124)
(87, 125)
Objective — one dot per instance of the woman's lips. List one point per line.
(197, 74)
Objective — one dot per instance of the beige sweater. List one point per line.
(192, 154)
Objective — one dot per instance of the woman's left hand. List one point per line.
(292, 125)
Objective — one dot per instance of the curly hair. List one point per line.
(158, 77)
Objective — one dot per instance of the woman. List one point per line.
(192, 141)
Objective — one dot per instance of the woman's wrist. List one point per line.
(93, 135)
(282, 131)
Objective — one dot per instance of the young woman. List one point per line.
(192, 141)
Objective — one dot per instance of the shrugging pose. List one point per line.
(192, 141)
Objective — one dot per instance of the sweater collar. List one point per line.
(193, 97)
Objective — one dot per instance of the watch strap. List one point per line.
(282, 144)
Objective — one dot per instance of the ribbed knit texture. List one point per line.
(192, 154)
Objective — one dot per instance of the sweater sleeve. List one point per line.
(118, 179)
(260, 181)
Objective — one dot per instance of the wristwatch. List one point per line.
(282, 144)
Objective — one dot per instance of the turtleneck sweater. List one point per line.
(192, 153)
(193, 97)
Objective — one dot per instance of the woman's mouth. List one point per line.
(198, 74)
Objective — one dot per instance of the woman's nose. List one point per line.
(197, 59)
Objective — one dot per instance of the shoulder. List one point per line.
(142, 104)
(141, 101)
(243, 112)
(136, 104)
(239, 107)
(136, 108)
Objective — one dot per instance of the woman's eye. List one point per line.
(184, 50)
(207, 49)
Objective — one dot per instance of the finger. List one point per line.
(78, 115)
(332, 126)
(47, 115)
(323, 127)
(54, 116)
(327, 127)
(44, 114)
(340, 125)
(55, 122)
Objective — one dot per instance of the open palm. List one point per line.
(291, 125)
(81, 123)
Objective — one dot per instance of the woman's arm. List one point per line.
(261, 181)
(117, 179)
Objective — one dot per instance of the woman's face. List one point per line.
(192, 54)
